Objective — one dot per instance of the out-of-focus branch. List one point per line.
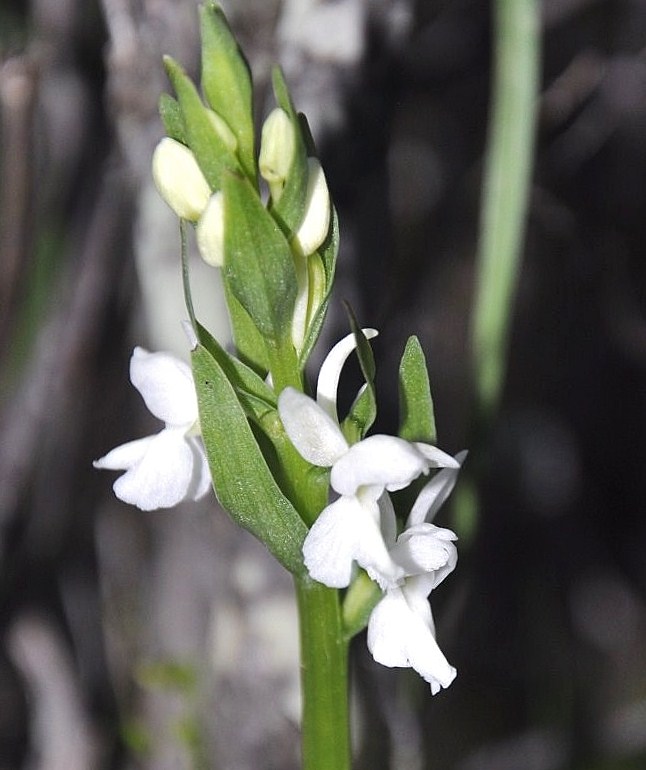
(17, 99)
(62, 737)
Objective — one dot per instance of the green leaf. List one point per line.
(242, 480)
(211, 153)
(171, 115)
(255, 396)
(226, 81)
(416, 416)
(305, 485)
(258, 264)
(290, 207)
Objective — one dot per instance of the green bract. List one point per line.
(417, 420)
(226, 81)
(242, 479)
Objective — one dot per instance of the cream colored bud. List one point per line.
(315, 224)
(223, 131)
(276, 150)
(210, 231)
(179, 179)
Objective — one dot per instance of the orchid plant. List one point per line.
(314, 488)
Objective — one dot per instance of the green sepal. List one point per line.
(258, 265)
(171, 115)
(241, 477)
(360, 599)
(290, 207)
(416, 415)
(363, 411)
(226, 80)
(327, 254)
(211, 153)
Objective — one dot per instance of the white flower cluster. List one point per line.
(360, 525)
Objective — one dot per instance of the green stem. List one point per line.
(324, 678)
(507, 179)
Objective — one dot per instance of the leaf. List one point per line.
(171, 115)
(255, 396)
(242, 480)
(416, 416)
(258, 265)
(226, 80)
(211, 153)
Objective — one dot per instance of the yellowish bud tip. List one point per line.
(179, 179)
(223, 131)
(210, 231)
(276, 150)
(315, 224)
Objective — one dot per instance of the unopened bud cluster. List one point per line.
(207, 142)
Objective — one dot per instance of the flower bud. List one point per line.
(223, 131)
(179, 180)
(276, 150)
(315, 224)
(210, 231)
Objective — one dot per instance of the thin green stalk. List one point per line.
(324, 678)
(503, 214)
(507, 178)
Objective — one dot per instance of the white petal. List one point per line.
(385, 461)
(313, 432)
(330, 544)
(201, 478)
(315, 224)
(388, 520)
(426, 548)
(330, 372)
(209, 232)
(125, 456)
(348, 531)
(436, 457)
(276, 150)
(179, 179)
(432, 497)
(166, 384)
(399, 637)
(161, 479)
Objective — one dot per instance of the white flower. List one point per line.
(170, 466)
(351, 528)
(401, 631)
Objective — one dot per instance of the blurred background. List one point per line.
(168, 640)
